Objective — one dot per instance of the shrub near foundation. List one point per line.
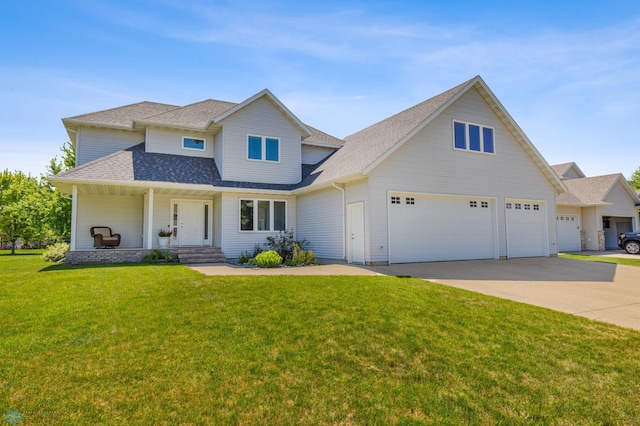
(268, 259)
(56, 252)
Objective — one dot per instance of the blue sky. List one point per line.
(567, 71)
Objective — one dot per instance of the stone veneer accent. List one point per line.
(601, 243)
(106, 256)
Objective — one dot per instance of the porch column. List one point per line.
(74, 216)
(150, 219)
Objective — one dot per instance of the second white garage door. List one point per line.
(526, 228)
(429, 228)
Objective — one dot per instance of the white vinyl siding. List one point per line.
(234, 241)
(623, 204)
(315, 154)
(93, 143)
(164, 141)
(260, 118)
(217, 221)
(124, 215)
(218, 149)
(321, 222)
(591, 224)
(428, 164)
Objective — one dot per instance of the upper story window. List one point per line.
(194, 143)
(261, 148)
(473, 137)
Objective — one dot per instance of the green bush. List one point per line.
(268, 259)
(284, 243)
(301, 257)
(56, 252)
(158, 255)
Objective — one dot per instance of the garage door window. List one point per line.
(395, 200)
(410, 201)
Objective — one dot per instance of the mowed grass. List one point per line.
(604, 259)
(162, 344)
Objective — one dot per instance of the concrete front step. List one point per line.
(199, 254)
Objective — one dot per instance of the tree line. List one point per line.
(32, 210)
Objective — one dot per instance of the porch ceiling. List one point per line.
(97, 189)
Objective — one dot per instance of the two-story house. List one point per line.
(453, 177)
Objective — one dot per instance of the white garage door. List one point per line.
(429, 228)
(526, 228)
(568, 233)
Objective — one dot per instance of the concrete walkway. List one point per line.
(600, 291)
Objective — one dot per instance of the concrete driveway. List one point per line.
(600, 291)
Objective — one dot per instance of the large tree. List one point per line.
(33, 210)
(635, 179)
(24, 205)
(60, 212)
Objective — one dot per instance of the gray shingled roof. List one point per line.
(561, 169)
(588, 191)
(136, 165)
(197, 115)
(322, 138)
(122, 116)
(366, 146)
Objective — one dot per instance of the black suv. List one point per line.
(630, 241)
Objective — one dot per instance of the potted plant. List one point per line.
(163, 238)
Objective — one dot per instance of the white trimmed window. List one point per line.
(263, 215)
(199, 144)
(262, 148)
(473, 137)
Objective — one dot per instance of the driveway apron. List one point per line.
(601, 291)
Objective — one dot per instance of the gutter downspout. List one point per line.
(344, 225)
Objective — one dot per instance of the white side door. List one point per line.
(568, 232)
(355, 233)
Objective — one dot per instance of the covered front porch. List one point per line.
(138, 214)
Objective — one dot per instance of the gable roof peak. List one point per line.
(275, 101)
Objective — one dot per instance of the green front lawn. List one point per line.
(162, 344)
(605, 259)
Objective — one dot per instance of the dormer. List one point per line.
(568, 171)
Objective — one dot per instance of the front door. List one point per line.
(191, 222)
(355, 218)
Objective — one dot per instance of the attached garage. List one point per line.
(426, 228)
(568, 232)
(527, 234)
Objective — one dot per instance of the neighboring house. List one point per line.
(453, 177)
(594, 210)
